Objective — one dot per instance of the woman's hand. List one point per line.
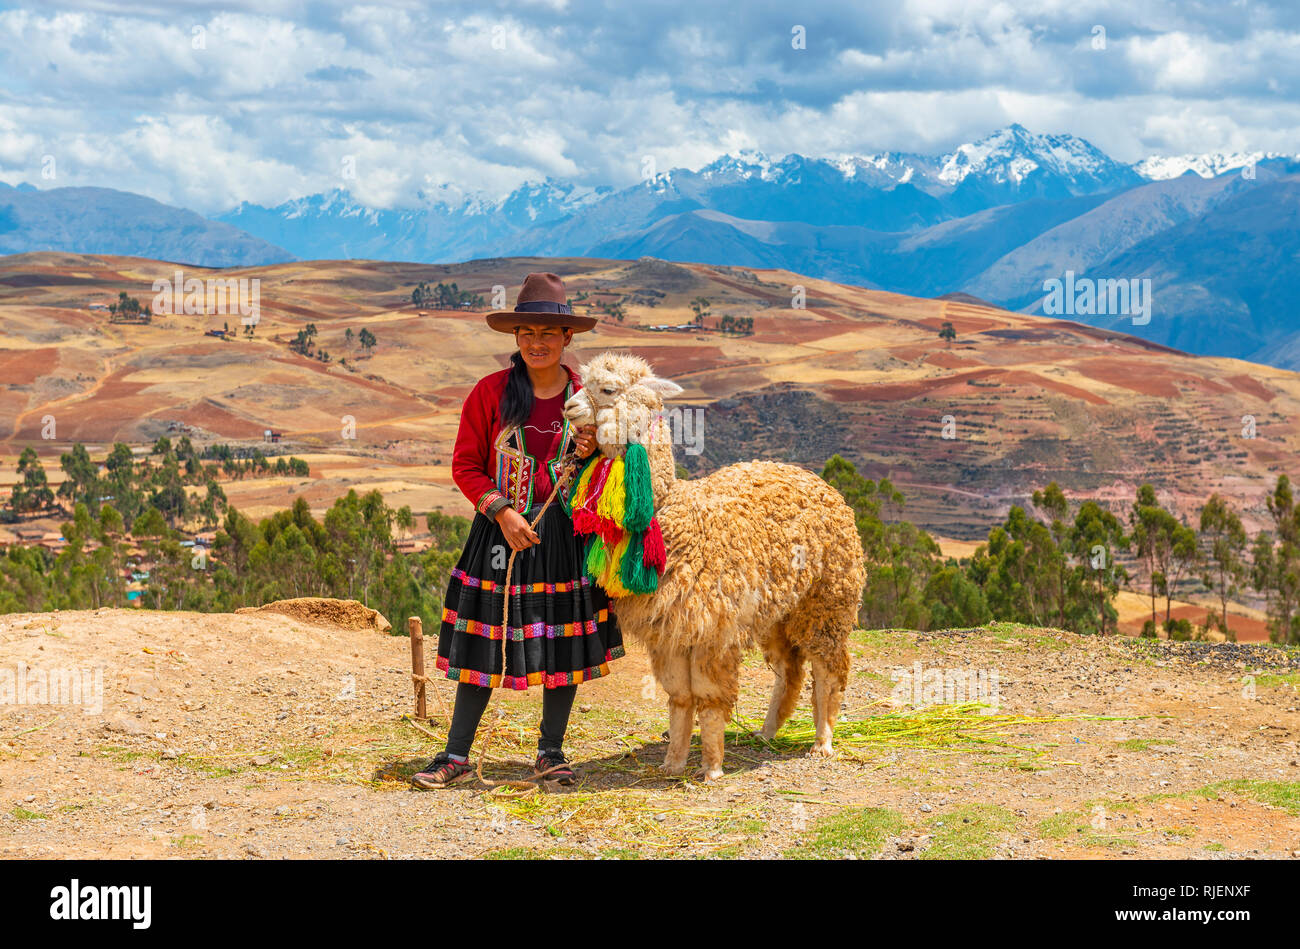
(516, 530)
(585, 440)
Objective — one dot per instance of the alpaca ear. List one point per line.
(664, 388)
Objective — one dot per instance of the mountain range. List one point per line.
(106, 221)
(997, 218)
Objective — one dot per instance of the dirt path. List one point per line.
(262, 736)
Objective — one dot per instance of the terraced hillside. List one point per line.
(863, 373)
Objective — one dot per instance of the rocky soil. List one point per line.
(263, 735)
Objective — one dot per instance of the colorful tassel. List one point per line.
(636, 576)
(610, 533)
(654, 554)
(610, 505)
(639, 501)
(597, 560)
(583, 485)
(613, 504)
(612, 579)
(590, 484)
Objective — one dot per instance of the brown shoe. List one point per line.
(442, 772)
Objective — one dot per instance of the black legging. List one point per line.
(472, 700)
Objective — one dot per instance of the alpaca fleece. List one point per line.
(758, 554)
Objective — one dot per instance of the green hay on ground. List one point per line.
(861, 832)
(936, 727)
(1284, 795)
(639, 822)
(1143, 744)
(969, 832)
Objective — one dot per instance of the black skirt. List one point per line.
(562, 625)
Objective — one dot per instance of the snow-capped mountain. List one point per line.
(994, 217)
(445, 225)
(1159, 168)
(1012, 158)
(891, 191)
(1011, 155)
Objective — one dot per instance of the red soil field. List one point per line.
(25, 366)
(961, 323)
(947, 360)
(942, 385)
(218, 420)
(792, 331)
(1026, 378)
(1251, 387)
(673, 360)
(1140, 377)
(1247, 629)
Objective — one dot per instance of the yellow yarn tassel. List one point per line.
(610, 504)
(611, 579)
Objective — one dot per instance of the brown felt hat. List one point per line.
(541, 300)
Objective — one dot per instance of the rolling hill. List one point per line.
(994, 218)
(859, 372)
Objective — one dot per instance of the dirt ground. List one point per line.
(263, 736)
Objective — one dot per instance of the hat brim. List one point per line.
(505, 321)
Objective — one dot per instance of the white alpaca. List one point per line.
(758, 554)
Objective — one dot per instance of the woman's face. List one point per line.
(541, 346)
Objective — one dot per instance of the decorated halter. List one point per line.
(613, 505)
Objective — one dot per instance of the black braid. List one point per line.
(517, 396)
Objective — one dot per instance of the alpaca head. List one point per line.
(620, 395)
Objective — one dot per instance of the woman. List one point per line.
(506, 460)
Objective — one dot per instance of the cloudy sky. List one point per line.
(207, 106)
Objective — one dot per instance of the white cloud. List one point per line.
(280, 92)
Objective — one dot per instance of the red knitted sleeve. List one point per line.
(472, 456)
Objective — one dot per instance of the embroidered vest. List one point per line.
(515, 466)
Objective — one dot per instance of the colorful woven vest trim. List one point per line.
(613, 505)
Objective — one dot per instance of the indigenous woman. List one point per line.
(562, 630)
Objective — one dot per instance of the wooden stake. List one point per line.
(416, 630)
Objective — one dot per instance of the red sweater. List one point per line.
(488, 464)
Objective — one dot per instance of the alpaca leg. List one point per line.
(715, 684)
(829, 679)
(674, 673)
(787, 666)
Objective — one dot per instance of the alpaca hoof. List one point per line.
(706, 774)
(763, 733)
(673, 767)
(822, 751)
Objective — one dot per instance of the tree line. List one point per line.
(1047, 564)
(1054, 565)
(131, 485)
(444, 297)
(350, 554)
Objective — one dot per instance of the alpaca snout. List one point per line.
(578, 410)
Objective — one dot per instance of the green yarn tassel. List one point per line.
(639, 500)
(636, 576)
(597, 558)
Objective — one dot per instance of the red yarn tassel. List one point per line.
(585, 518)
(653, 554)
(609, 531)
(584, 521)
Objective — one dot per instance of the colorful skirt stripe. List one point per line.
(562, 626)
